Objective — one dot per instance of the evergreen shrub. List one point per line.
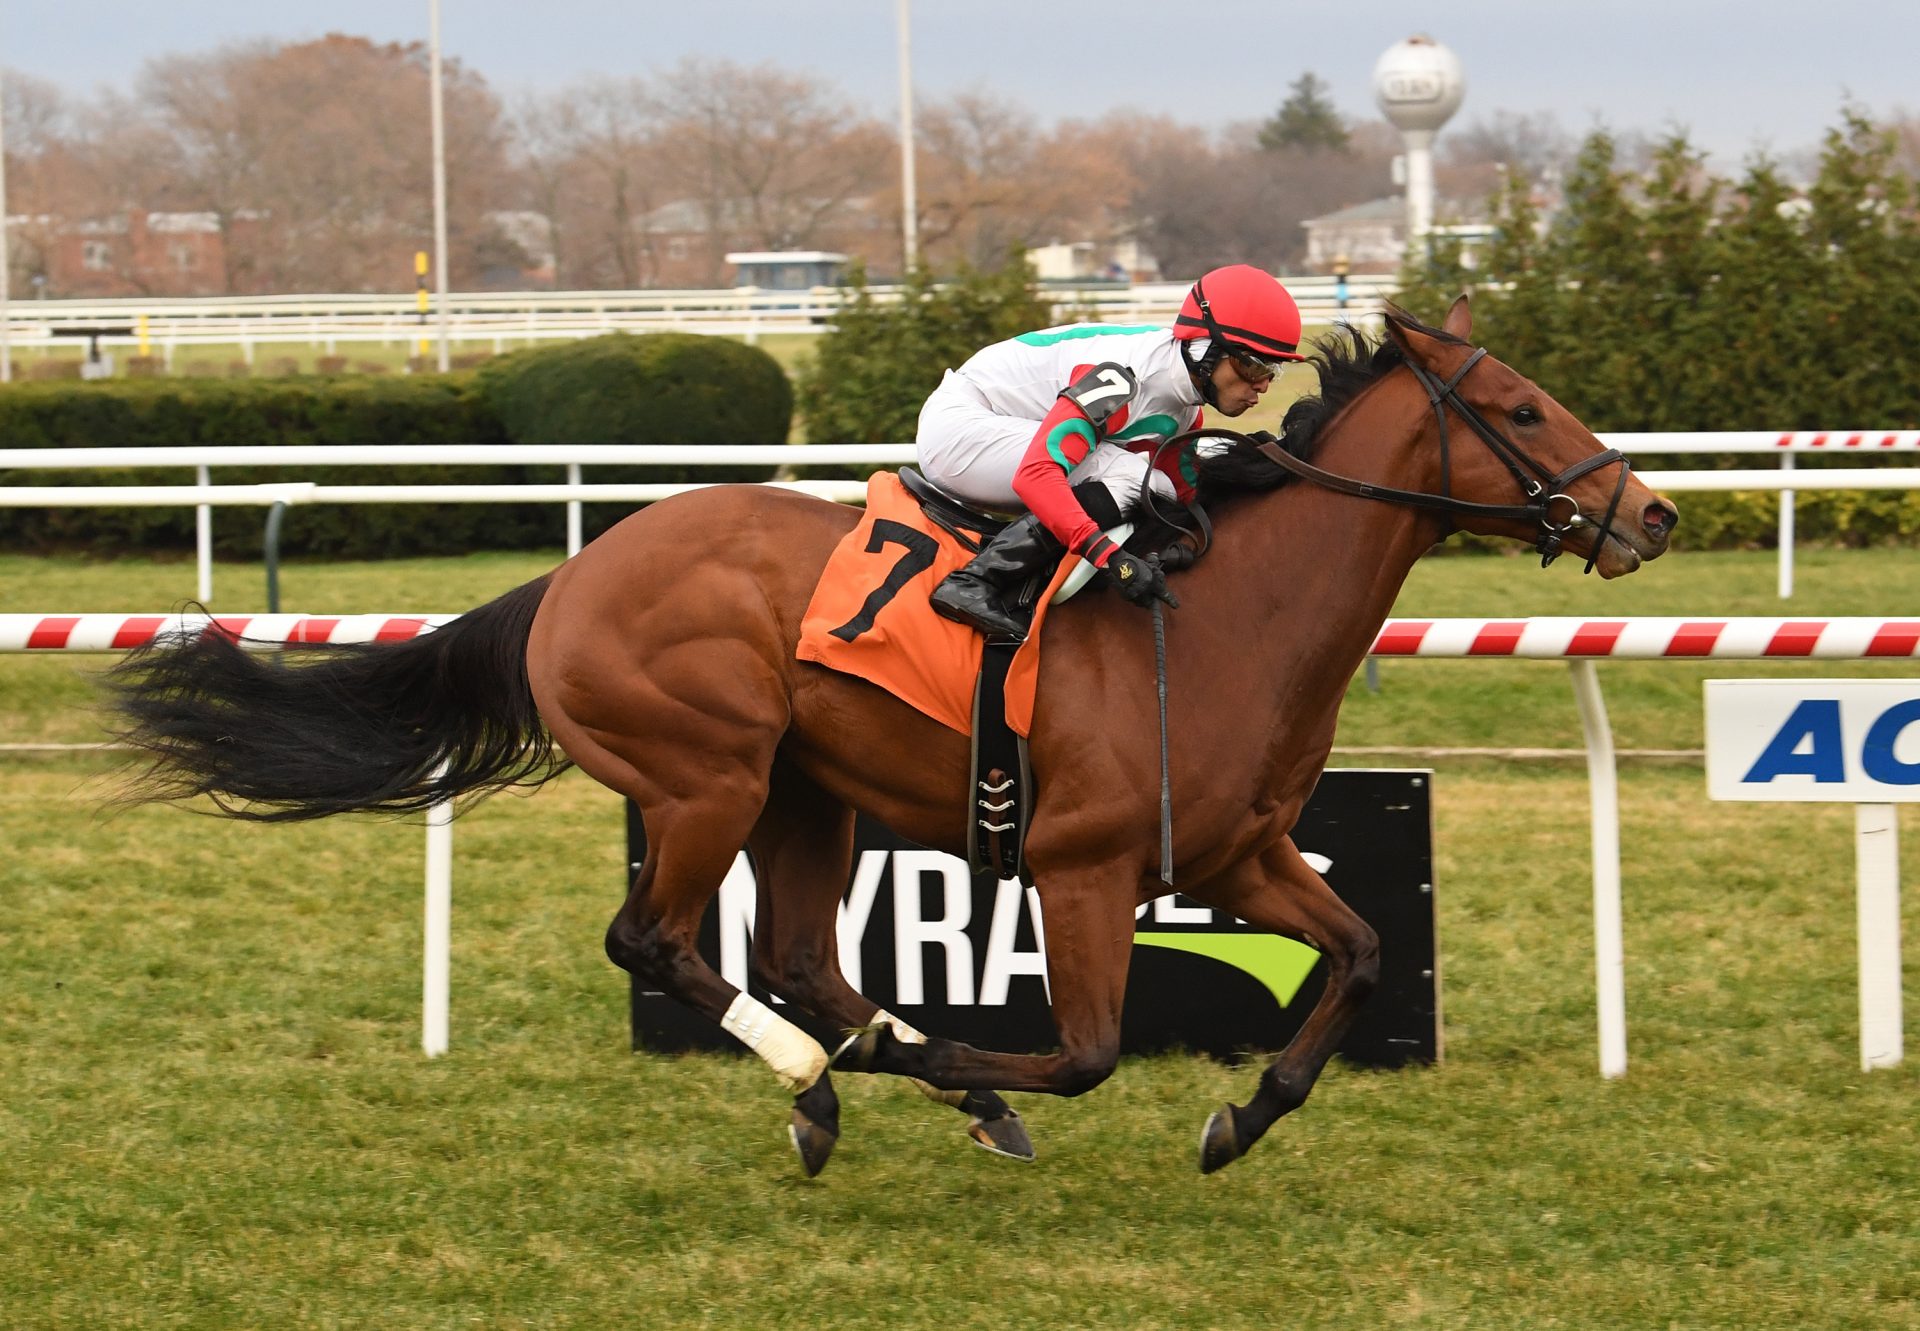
(1675, 300)
(661, 388)
(874, 369)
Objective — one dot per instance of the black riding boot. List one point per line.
(977, 594)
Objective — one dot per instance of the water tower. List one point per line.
(1419, 86)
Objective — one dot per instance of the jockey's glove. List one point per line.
(1138, 580)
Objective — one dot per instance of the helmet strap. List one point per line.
(1202, 370)
(1216, 348)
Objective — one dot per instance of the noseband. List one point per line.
(1544, 489)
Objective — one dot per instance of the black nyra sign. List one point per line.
(966, 958)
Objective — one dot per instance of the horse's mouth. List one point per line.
(1621, 554)
(1617, 558)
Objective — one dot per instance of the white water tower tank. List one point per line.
(1419, 85)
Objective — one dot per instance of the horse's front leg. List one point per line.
(1088, 918)
(1279, 891)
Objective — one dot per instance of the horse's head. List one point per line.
(1510, 449)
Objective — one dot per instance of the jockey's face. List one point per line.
(1234, 390)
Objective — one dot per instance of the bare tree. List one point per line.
(41, 173)
(772, 158)
(1905, 127)
(315, 158)
(202, 110)
(1203, 202)
(1530, 144)
(597, 163)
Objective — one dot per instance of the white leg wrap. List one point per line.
(905, 1034)
(795, 1057)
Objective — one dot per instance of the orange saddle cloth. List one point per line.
(870, 617)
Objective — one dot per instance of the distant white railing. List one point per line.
(205, 496)
(505, 318)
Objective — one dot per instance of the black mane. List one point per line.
(1348, 364)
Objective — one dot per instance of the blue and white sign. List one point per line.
(1850, 741)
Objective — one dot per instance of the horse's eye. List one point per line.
(1526, 416)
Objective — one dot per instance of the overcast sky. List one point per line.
(1738, 74)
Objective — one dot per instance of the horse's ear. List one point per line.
(1407, 333)
(1397, 331)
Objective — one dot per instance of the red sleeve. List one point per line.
(1061, 443)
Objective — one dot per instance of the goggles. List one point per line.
(1253, 368)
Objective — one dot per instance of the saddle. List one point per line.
(1001, 787)
(869, 617)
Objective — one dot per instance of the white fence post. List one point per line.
(203, 537)
(1609, 948)
(573, 512)
(437, 970)
(1786, 533)
(1877, 855)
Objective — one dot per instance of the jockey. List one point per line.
(1062, 423)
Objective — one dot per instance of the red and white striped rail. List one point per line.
(1546, 638)
(112, 633)
(1841, 440)
(1733, 639)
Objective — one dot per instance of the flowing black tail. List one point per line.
(388, 727)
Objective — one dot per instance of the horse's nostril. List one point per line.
(1660, 519)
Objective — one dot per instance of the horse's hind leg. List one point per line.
(1089, 933)
(802, 853)
(654, 936)
(1279, 891)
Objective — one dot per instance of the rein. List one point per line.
(1543, 489)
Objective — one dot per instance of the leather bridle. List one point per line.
(1544, 489)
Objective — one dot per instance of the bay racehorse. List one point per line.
(661, 661)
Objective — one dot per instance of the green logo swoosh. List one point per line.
(1280, 964)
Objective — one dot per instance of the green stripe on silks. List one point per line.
(1159, 426)
(1279, 964)
(1061, 431)
(1048, 337)
(1164, 427)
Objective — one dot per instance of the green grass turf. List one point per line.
(213, 1111)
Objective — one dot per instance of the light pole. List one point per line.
(439, 177)
(909, 205)
(6, 259)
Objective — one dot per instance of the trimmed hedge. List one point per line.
(661, 388)
(690, 390)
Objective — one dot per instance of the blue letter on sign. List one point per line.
(1877, 755)
(1815, 722)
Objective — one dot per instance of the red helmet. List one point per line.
(1245, 312)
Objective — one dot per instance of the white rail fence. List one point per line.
(204, 496)
(503, 318)
(1580, 642)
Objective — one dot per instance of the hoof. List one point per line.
(814, 1128)
(811, 1142)
(1219, 1141)
(1005, 1135)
